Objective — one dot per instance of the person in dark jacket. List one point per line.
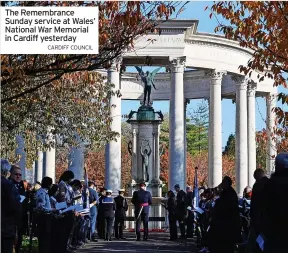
(275, 220)
(190, 216)
(10, 209)
(107, 207)
(16, 179)
(181, 209)
(171, 207)
(100, 221)
(142, 200)
(256, 210)
(93, 200)
(225, 226)
(120, 214)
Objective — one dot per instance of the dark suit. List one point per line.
(10, 214)
(107, 209)
(181, 210)
(93, 210)
(120, 214)
(24, 216)
(190, 217)
(141, 199)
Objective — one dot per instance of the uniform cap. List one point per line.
(142, 184)
(121, 190)
(176, 186)
(109, 191)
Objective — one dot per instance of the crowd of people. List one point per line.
(219, 221)
(63, 216)
(224, 222)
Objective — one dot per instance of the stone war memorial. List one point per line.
(198, 65)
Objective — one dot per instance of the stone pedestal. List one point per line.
(145, 142)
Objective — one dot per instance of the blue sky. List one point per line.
(195, 10)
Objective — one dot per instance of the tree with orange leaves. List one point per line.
(63, 92)
(263, 27)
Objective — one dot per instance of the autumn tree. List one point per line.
(61, 94)
(263, 27)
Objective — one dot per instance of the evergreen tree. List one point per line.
(197, 129)
(230, 146)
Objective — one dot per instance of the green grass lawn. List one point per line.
(25, 245)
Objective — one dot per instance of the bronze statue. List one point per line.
(148, 82)
(145, 160)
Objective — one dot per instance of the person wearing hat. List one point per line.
(274, 221)
(142, 199)
(181, 205)
(120, 214)
(107, 208)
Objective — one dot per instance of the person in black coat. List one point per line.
(100, 222)
(171, 207)
(181, 209)
(120, 214)
(10, 209)
(16, 179)
(256, 210)
(142, 200)
(190, 216)
(107, 208)
(274, 219)
(225, 226)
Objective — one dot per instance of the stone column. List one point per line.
(49, 163)
(271, 100)
(241, 134)
(20, 152)
(49, 157)
(251, 133)
(76, 161)
(210, 167)
(113, 148)
(39, 167)
(176, 125)
(186, 102)
(215, 128)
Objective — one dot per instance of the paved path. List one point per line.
(158, 242)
